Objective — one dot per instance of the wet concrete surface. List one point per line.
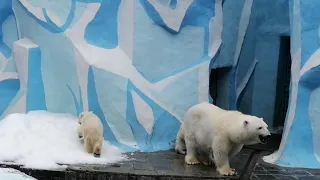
(265, 171)
(164, 165)
(168, 165)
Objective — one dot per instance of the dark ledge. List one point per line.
(165, 165)
(39, 174)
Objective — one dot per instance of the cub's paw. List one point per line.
(227, 171)
(191, 160)
(96, 155)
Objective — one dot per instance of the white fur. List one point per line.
(91, 130)
(210, 135)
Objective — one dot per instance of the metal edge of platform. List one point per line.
(38, 173)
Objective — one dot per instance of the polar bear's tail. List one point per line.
(180, 143)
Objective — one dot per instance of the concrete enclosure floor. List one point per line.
(167, 165)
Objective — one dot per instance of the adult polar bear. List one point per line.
(210, 135)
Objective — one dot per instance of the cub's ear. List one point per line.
(245, 123)
(81, 115)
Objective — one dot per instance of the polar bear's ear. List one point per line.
(245, 123)
(81, 115)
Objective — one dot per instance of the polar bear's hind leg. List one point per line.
(97, 149)
(180, 142)
(221, 158)
(191, 158)
(87, 145)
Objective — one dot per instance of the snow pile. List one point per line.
(44, 140)
(12, 174)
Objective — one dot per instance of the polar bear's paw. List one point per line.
(96, 155)
(180, 150)
(227, 171)
(208, 162)
(191, 160)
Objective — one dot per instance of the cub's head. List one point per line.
(84, 115)
(255, 130)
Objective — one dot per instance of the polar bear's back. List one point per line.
(206, 113)
(92, 123)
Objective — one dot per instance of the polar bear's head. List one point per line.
(254, 130)
(84, 115)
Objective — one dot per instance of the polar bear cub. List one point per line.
(91, 130)
(210, 135)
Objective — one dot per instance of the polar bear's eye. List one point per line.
(260, 128)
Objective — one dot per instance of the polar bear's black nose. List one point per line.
(264, 139)
(268, 137)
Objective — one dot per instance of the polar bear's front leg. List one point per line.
(222, 163)
(205, 156)
(191, 158)
(80, 135)
(221, 150)
(207, 161)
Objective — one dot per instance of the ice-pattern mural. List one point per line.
(138, 64)
(250, 52)
(300, 146)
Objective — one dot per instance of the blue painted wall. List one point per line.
(268, 22)
(127, 61)
(249, 59)
(140, 70)
(253, 70)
